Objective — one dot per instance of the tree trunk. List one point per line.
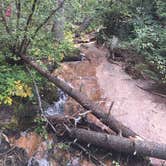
(120, 144)
(84, 25)
(83, 100)
(58, 26)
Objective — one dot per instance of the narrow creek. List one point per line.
(58, 106)
(104, 82)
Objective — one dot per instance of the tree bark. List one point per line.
(120, 144)
(83, 100)
(91, 120)
(84, 25)
(58, 26)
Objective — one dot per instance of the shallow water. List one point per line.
(58, 106)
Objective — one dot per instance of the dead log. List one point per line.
(83, 100)
(120, 144)
(93, 122)
(84, 25)
(59, 118)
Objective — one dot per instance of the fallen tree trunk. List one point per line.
(84, 25)
(83, 100)
(72, 58)
(120, 144)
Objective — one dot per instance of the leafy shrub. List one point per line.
(150, 43)
(13, 82)
(117, 20)
(14, 78)
(140, 25)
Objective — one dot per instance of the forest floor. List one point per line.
(103, 82)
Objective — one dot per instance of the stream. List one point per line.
(58, 106)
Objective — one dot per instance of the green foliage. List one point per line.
(76, 11)
(41, 127)
(141, 25)
(63, 146)
(161, 9)
(150, 42)
(44, 46)
(13, 82)
(66, 47)
(117, 20)
(17, 29)
(146, 39)
(159, 63)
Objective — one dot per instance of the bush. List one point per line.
(140, 24)
(117, 20)
(19, 34)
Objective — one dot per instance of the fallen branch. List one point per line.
(29, 20)
(83, 100)
(93, 122)
(44, 22)
(98, 162)
(120, 144)
(39, 100)
(96, 124)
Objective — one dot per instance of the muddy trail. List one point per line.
(105, 82)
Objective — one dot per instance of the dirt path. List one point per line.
(141, 111)
(105, 82)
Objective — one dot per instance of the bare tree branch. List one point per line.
(18, 7)
(22, 49)
(39, 100)
(36, 90)
(18, 13)
(44, 22)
